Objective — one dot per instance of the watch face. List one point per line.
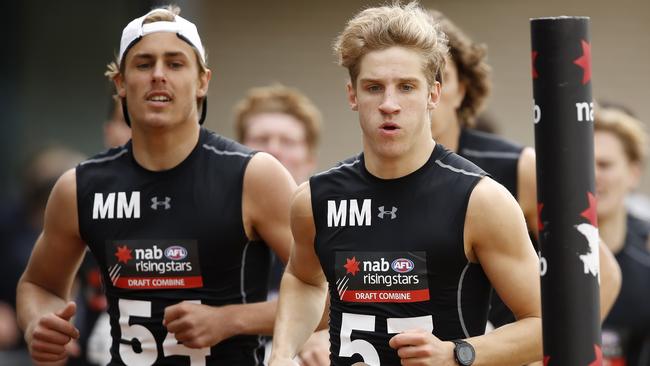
(465, 354)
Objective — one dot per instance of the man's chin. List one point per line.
(157, 121)
(390, 151)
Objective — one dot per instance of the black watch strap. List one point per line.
(464, 352)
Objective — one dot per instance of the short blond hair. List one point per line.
(278, 98)
(163, 14)
(629, 130)
(473, 71)
(392, 25)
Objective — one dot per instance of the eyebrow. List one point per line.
(412, 80)
(169, 54)
(409, 80)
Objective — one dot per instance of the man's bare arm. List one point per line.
(44, 289)
(496, 236)
(303, 290)
(268, 189)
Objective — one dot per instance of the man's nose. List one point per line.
(158, 74)
(389, 103)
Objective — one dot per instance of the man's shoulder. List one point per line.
(345, 175)
(223, 146)
(487, 145)
(342, 166)
(107, 156)
(65, 188)
(456, 163)
(638, 227)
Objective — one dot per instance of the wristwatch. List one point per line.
(464, 352)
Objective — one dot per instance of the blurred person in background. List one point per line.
(621, 148)
(485, 122)
(283, 122)
(465, 90)
(637, 203)
(20, 224)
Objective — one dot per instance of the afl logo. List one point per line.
(402, 265)
(176, 253)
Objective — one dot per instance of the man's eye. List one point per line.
(407, 87)
(374, 88)
(142, 66)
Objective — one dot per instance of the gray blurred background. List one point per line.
(52, 87)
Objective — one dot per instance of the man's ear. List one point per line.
(204, 82)
(118, 80)
(434, 95)
(352, 97)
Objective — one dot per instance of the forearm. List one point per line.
(33, 301)
(325, 318)
(9, 334)
(252, 319)
(517, 343)
(300, 311)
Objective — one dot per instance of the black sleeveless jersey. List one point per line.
(499, 157)
(170, 236)
(393, 254)
(494, 154)
(626, 329)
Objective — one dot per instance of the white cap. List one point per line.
(136, 30)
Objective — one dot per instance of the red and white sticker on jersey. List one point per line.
(382, 276)
(154, 264)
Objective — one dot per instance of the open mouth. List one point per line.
(158, 96)
(389, 127)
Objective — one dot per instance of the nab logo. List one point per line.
(382, 212)
(585, 111)
(176, 253)
(126, 209)
(348, 213)
(402, 265)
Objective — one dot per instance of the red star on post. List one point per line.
(590, 213)
(584, 61)
(534, 57)
(599, 356)
(123, 254)
(540, 223)
(351, 265)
